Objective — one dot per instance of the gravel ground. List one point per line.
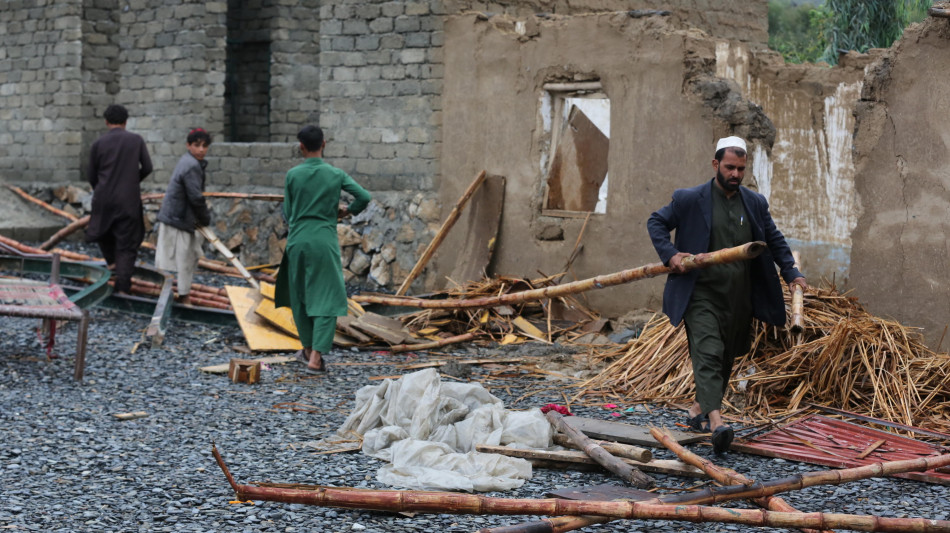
(66, 464)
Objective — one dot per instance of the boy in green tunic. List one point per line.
(310, 280)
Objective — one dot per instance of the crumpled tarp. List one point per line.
(427, 431)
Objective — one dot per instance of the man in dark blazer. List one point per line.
(718, 303)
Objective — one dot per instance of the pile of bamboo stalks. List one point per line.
(506, 324)
(846, 358)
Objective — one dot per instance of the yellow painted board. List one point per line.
(260, 335)
(280, 317)
(529, 329)
(267, 290)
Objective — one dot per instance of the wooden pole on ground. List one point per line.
(459, 503)
(726, 255)
(26, 196)
(440, 236)
(70, 228)
(597, 453)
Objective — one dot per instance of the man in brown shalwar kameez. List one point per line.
(118, 162)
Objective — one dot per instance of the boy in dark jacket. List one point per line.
(183, 209)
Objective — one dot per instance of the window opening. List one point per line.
(247, 79)
(577, 130)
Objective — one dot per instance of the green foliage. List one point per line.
(807, 33)
(794, 31)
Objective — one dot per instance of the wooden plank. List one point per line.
(442, 233)
(529, 329)
(579, 165)
(223, 368)
(475, 238)
(260, 335)
(345, 324)
(625, 433)
(267, 290)
(280, 317)
(387, 329)
(662, 466)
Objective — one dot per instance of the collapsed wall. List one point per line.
(901, 256)
(808, 178)
(661, 106)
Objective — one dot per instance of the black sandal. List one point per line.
(698, 423)
(722, 439)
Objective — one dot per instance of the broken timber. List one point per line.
(636, 453)
(627, 472)
(206, 232)
(452, 502)
(566, 458)
(726, 255)
(443, 231)
(741, 490)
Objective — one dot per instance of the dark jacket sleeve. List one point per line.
(660, 225)
(94, 165)
(778, 246)
(192, 181)
(145, 162)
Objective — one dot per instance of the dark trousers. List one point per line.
(122, 255)
(714, 343)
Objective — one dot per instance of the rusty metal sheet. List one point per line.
(824, 441)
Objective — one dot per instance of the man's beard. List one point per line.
(724, 183)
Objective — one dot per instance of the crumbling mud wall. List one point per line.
(667, 108)
(809, 176)
(736, 20)
(900, 259)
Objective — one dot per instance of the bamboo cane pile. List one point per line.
(847, 359)
(505, 324)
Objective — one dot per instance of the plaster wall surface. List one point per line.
(745, 21)
(901, 253)
(809, 176)
(660, 138)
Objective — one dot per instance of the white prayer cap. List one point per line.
(731, 142)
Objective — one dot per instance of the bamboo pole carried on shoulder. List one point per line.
(626, 472)
(443, 231)
(726, 255)
(453, 502)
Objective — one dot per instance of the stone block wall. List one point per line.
(380, 90)
(41, 121)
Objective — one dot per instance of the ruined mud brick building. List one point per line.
(418, 97)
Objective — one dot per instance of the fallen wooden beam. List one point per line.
(579, 458)
(440, 236)
(629, 473)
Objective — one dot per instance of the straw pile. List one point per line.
(847, 359)
(506, 324)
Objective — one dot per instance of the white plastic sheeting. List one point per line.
(427, 431)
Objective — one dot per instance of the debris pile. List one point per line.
(847, 358)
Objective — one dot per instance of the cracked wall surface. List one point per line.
(667, 109)
(901, 255)
(808, 177)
